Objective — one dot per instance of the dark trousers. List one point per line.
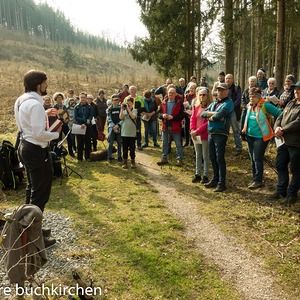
(187, 130)
(139, 131)
(217, 145)
(257, 148)
(39, 170)
(288, 155)
(94, 137)
(128, 142)
(84, 142)
(150, 127)
(64, 130)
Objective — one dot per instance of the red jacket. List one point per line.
(177, 113)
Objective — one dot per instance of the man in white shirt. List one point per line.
(34, 152)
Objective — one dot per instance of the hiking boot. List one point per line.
(49, 242)
(255, 185)
(163, 161)
(133, 165)
(211, 184)
(204, 180)
(145, 145)
(125, 166)
(46, 232)
(196, 179)
(237, 152)
(179, 163)
(276, 196)
(220, 188)
(289, 200)
(120, 159)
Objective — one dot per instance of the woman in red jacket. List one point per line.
(199, 134)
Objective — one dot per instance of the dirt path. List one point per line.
(236, 264)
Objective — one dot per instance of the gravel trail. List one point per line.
(236, 264)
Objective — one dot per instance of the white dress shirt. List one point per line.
(31, 119)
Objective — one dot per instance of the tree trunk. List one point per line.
(279, 55)
(228, 28)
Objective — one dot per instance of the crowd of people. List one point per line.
(188, 114)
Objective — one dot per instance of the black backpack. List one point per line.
(10, 170)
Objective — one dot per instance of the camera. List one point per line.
(124, 105)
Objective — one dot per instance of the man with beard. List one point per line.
(34, 151)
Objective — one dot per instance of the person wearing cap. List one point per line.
(287, 128)
(259, 132)
(101, 103)
(114, 127)
(218, 114)
(94, 132)
(83, 114)
(235, 94)
(262, 80)
(287, 93)
(221, 79)
(124, 93)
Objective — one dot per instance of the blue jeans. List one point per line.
(150, 126)
(257, 148)
(236, 132)
(166, 136)
(202, 154)
(216, 146)
(288, 155)
(112, 136)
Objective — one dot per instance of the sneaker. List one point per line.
(196, 179)
(49, 242)
(145, 145)
(120, 159)
(220, 188)
(163, 161)
(110, 159)
(211, 184)
(140, 148)
(290, 199)
(255, 185)
(179, 163)
(276, 196)
(204, 180)
(156, 145)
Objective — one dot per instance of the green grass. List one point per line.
(137, 249)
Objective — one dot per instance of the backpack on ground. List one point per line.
(11, 170)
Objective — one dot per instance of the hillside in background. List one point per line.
(79, 67)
